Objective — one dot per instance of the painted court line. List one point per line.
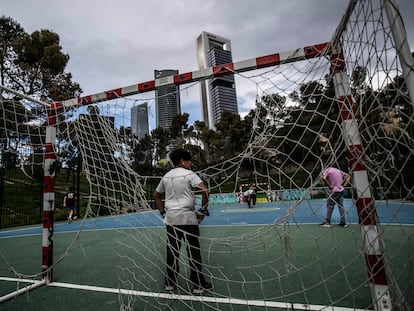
(196, 298)
(250, 210)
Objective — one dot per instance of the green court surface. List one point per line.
(319, 266)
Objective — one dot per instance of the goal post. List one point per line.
(49, 196)
(48, 175)
(367, 215)
(307, 52)
(368, 219)
(347, 102)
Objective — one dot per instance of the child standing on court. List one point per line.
(69, 202)
(336, 180)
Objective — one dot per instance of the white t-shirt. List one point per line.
(248, 192)
(179, 203)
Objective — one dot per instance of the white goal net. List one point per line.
(347, 105)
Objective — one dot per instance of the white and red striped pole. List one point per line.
(367, 215)
(49, 193)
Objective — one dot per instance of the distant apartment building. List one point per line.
(217, 94)
(167, 100)
(139, 120)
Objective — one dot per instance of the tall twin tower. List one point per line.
(217, 94)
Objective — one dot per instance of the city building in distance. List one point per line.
(217, 94)
(167, 100)
(139, 120)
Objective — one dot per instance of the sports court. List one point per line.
(89, 272)
(345, 102)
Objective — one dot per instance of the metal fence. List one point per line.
(20, 198)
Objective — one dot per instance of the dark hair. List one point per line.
(179, 154)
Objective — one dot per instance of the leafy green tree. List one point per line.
(232, 133)
(318, 116)
(143, 156)
(10, 32)
(31, 64)
(178, 124)
(211, 143)
(34, 64)
(160, 140)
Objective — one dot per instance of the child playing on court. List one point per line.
(69, 202)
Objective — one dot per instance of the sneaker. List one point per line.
(344, 225)
(169, 288)
(325, 225)
(202, 288)
(69, 220)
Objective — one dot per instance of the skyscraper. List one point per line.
(167, 100)
(217, 94)
(139, 120)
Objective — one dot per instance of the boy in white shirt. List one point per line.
(181, 220)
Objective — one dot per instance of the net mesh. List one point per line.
(273, 255)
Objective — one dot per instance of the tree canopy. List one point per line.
(34, 64)
(31, 64)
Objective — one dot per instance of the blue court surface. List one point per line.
(293, 212)
(96, 270)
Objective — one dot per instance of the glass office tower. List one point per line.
(167, 100)
(217, 94)
(139, 120)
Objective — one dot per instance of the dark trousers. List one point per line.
(247, 199)
(338, 199)
(189, 234)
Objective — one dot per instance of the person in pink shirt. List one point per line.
(336, 180)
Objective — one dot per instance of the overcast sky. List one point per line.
(119, 43)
